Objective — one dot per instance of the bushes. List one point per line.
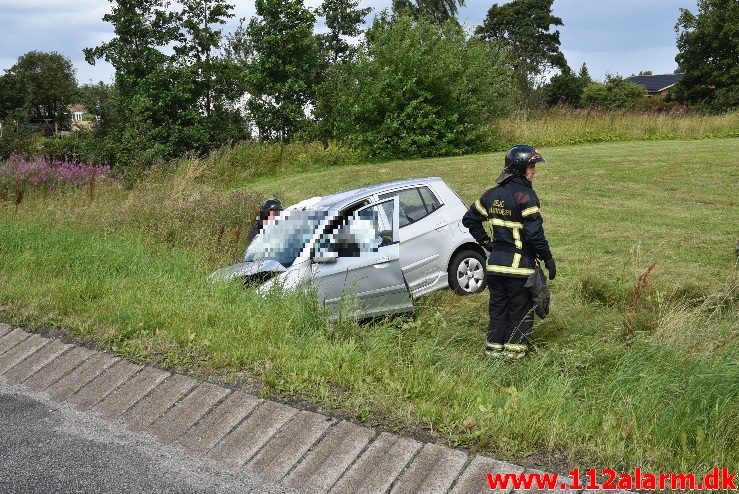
(421, 89)
(615, 94)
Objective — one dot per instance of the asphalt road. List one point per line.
(47, 447)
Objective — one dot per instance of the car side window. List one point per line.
(429, 199)
(415, 204)
(365, 231)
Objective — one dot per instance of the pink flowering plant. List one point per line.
(19, 175)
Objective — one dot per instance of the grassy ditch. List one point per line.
(626, 373)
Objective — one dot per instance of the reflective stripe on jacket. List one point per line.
(509, 215)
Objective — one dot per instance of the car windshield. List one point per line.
(283, 237)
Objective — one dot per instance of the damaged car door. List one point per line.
(356, 266)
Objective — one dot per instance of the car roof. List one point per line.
(341, 199)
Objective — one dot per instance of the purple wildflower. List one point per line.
(47, 174)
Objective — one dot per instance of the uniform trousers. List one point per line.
(511, 310)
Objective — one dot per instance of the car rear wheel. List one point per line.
(467, 273)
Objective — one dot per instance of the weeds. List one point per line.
(638, 293)
(21, 175)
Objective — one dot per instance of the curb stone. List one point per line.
(308, 451)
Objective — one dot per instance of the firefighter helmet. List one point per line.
(517, 159)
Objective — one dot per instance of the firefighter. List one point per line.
(270, 209)
(507, 222)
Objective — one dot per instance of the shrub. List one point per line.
(421, 89)
(16, 138)
(565, 89)
(615, 94)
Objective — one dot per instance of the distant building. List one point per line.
(77, 111)
(656, 85)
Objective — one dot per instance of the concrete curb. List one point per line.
(307, 451)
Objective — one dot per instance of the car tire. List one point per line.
(467, 273)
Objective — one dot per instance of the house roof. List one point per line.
(77, 108)
(656, 83)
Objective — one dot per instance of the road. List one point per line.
(47, 447)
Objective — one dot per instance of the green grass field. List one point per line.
(617, 378)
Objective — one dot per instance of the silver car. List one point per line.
(372, 250)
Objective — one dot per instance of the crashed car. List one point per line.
(379, 246)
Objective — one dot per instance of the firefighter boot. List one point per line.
(515, 351)
(494, 350)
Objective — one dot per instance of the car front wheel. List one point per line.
(467, 273)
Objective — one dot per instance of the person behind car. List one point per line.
(507, 222)
(268, 211)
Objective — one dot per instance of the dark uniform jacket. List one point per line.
(509, 215)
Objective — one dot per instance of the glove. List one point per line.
(551, 267)
(487, 244)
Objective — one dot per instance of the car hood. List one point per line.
(243, 269)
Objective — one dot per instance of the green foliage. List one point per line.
(343, 19)
(708, 46)
(523, 27)
(142, 29)
(43, 84)
(615, 94)
(419, 89)
(212, 78)
(284, 68)
(167, 103)
(566, 89)
(68, 148)
(432, 10)
(11, 98)
(16, 137)
(96, 98)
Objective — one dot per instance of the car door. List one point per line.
(365, 278)
(424, 237)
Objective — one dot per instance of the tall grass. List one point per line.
(253, 159)
(563, 126)
(624, 373)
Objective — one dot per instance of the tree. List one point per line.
(523, 26)
(283, 70)
(12, 97)
(584, 72)
(173, 89)
(142, 28)
(421, 88)
(434, 10)
(565, 89)
(197, 49)
(95, 97)
(708, 50)
(44, 85)
(615, 94)
(343, 19)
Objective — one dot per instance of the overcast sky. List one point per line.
(611, 36)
